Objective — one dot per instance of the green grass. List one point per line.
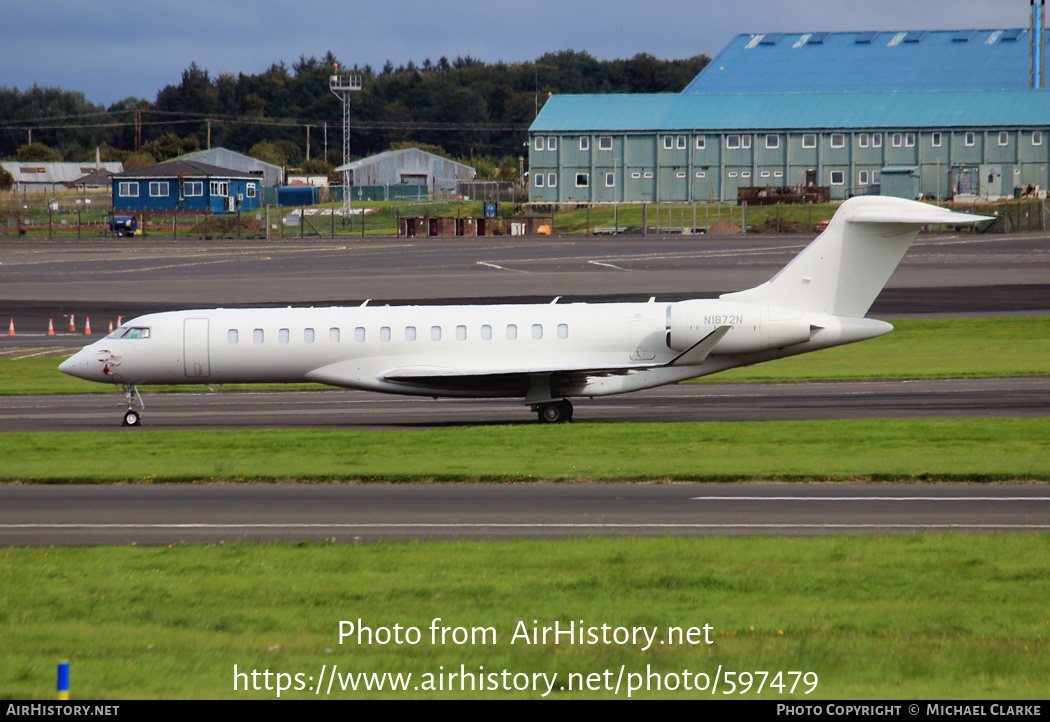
(943, 449)
(922, 617)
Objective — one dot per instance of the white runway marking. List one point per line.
(870, 498)
(501, 268)
(608, 265)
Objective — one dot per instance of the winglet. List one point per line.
(699, 351)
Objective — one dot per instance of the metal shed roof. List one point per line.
(271, 174)
(57, 173)
(869, 61)
(769, 111)
(407, 157)
(184, 168)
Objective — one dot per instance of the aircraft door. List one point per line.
(643, 346)
(195, 348)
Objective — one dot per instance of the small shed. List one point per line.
(180, 185)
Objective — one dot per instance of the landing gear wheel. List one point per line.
(555, 413)
(132, 418)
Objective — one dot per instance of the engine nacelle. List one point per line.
(754, 327)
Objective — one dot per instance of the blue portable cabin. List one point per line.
(181, 185)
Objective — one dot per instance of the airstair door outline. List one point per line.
(195, 348)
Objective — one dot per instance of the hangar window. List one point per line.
(537, 143)
(838, 177)
(1037, 137)
(935, 140)
(231, 337)
(809, 140)
(486, 333)
(668, 142)
(605, 142)
(308, 335)
(970, 139)
(838, 140)
(585, 142)
(537, 330)
(539, 180)
(552, 180)
(512, 331)
(435, 333)
(283, 335)
(701, 142)
(257, 336)
(333, 335)
(610, 180)
(461, 333)
(563, 330)
(583, 180)
(128, 189)
(552, 142)
(410, 333)
(1004, 138)
(158, 189)
(193, 188)
(772, 141)
(359, 335)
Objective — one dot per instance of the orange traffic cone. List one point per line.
(120, 321)
(111, 327)
(11, 328)
(72, 327)
(50, 327)
(87, 326)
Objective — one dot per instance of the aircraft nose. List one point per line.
(80, 365)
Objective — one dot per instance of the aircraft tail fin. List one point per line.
(845, 268)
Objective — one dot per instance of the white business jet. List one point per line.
(542, 354)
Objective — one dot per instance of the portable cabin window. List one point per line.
(862, 178)
(772, 141)
(745, 174)
(158, 189)
(283, 335)
(384, 333)
(410, 333)
(610, 180)
(809, 140)
(512, 331)
(778, 174)
(435, 333)
(764, 174)
(909, 140)
(359, 335)
(232, 337)
(863, 140)
(701, 142)
(193, 188)
(220, 188)
(308, 335)
(1037, 137)
(680, 142)
(249, 190)
(679, 174)
(537, 330)
(838, 177)
(563, 330)
(1004, 138)
(970, 139)
(583, 180)
(838, 140)
(635, 175)
(486, 332)
(333, 335)
(461, 333)
(552, 180)
(258, 336)
(668, 142)
(539, 180)
(585, 142)
(537, 143)
(876, 177)
(732, 174)
(647, 174)
(745, 141)
(552, 142)
(876, 140)
(935, 140)
(605, 142)
(701, 174)
(732, 142)
(128, 189)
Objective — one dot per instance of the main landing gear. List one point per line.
(556, 412)
(132, 417)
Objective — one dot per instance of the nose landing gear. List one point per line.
(132, 417)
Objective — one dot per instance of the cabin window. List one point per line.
(410, 333)
(552, 180)
(772, 141)
(970, 138)
(1037, 137)
(461, 333)
(583, 180)
(384, 333)
(257, 336)
(537, 330)
(359, 335)
(231, 336)
(863, 140)
(935, 140)
(909, 140)
(333, 335)
(435, 333)
(862, 178)
(876, 140)
(680, 142)
(701, 174)
(732, 142)
(249, 190)
(701, 142)
(486, 333)
(539, 180)
(668, 142)
(610, 180)
(838, 140)
(220, 188)
(895, 140)
(512, 331)
(563, 330)
(605, 142)
(158, 189)
(1004, 138)
(537, 143)
(585, 143)
(837, 177)
(552, 143)
(128, 189)
(193, 188)
(283, 335)
(308, 335)
(809, 140)
(141, 332)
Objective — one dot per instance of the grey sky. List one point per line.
(113, 49)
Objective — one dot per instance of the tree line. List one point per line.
(464, 109)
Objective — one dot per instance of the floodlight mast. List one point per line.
(343, 84)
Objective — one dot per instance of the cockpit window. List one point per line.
(133, 332)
